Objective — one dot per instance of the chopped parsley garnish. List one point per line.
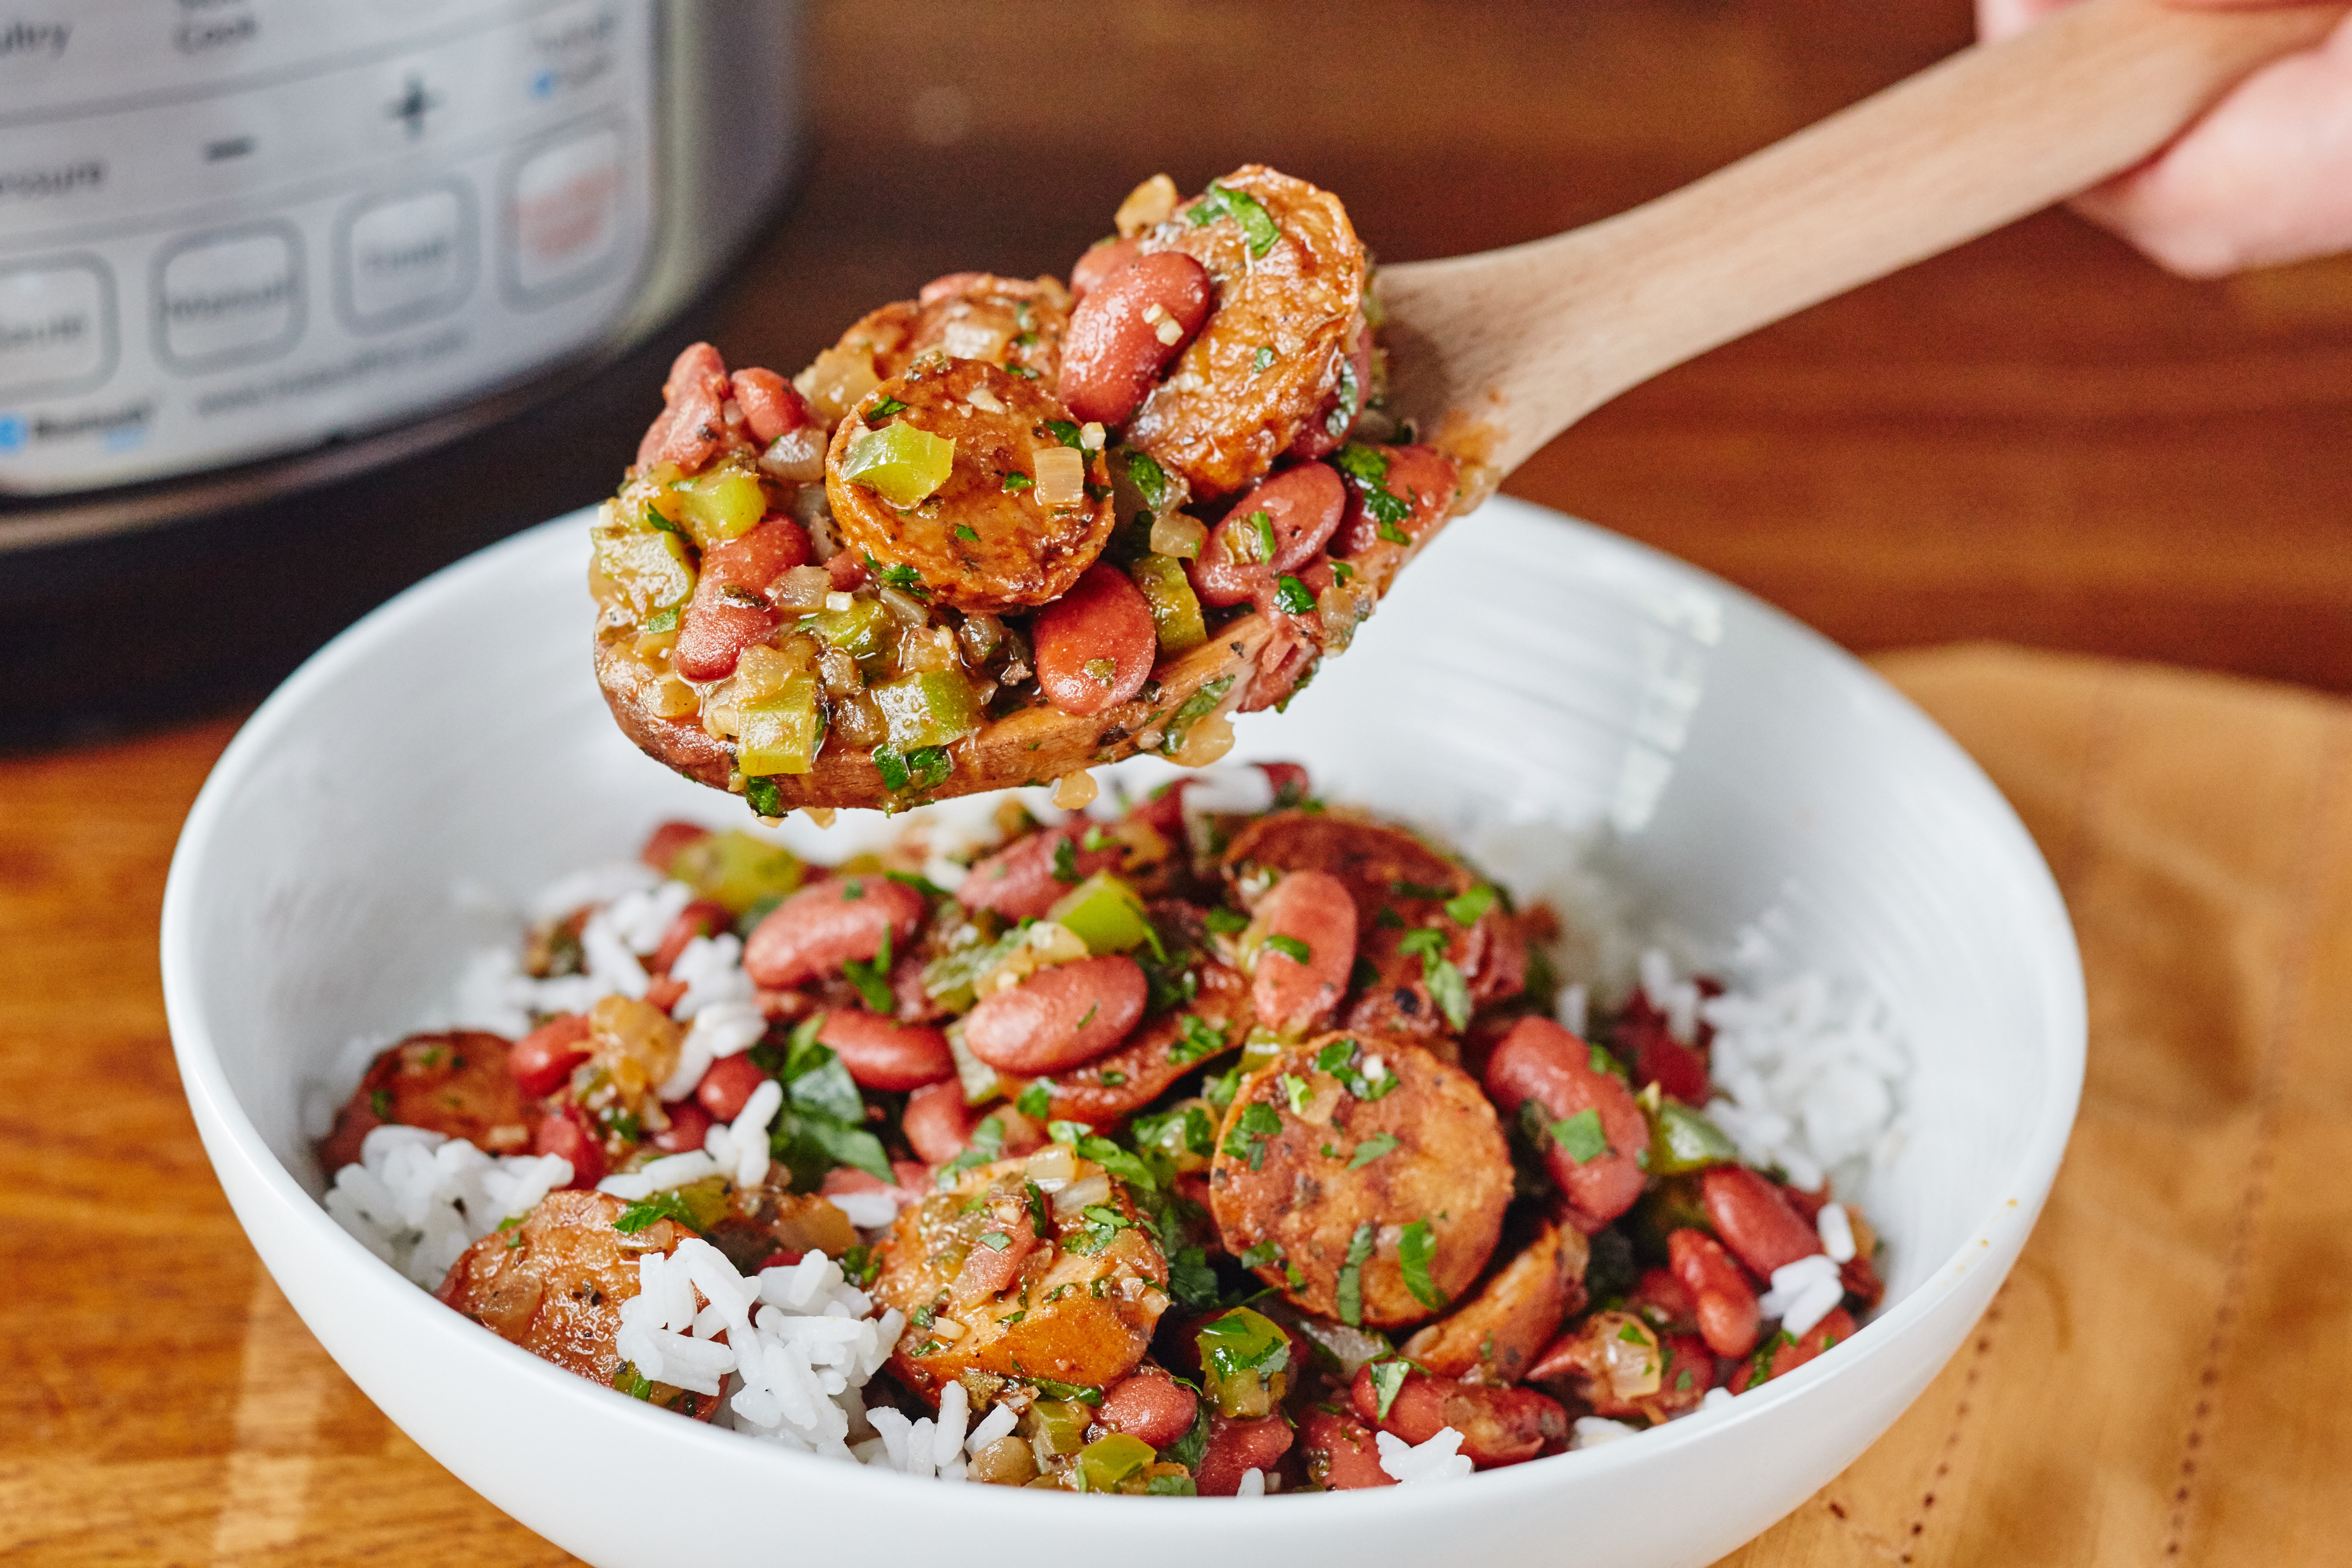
(1362, 975)
(922, 885)
(1335, 1057)
(1259, 231)
(964, 531)
(1112, 1078)
(1292, 595)
(1291, 948)
(1148, 476)
(1297, 1092)
(1257, 1123)
(1263, 360)
(655, 520)
(761, 795)
(1220, 1091)
(872, 978)
(1446, 986)
(1037, 1102)
(1066, 863)
(1022, 371)
(1195, 1037)
(1420, 891)
(1263, 1256)
(1683, 1382)
(860, 1265)
(898, 575)
(646, 1212)
(1015, 483)
(1261, 535)
(380, 1104)
(1080, 1392)
(1415, 1248)
(1580, 1136)
(1467, 909)
(1388, 1380)
(986, 1148)
(666, 619)
(1225, 922)
(883, 410)
(1199, 706)
(1064, 432)
(1352, 1275)
(994, 1240)
(1371, 1149)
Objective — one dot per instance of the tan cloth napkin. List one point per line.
(2163, 1378)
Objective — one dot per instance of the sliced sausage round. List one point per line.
(819, 928)
(1095, 644)
(983, 541)
(1058, 1018)
(1331, 1166)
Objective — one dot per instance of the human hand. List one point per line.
(2264, 177)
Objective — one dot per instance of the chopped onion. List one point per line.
(1173, 534)
(1056, 1163)
(1061, 476)
(802, 588)
(981, 397)
(1094, 1189)
(796, 456)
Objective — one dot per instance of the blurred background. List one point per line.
(2040, 438)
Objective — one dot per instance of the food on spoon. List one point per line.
(1007, 529)
(1113, 1167)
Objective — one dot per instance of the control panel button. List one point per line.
(407, 257)
(230, 297)
(563, 214)
(57, 326)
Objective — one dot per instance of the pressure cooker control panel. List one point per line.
(230, 229)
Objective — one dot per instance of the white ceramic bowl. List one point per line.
(1530, 665)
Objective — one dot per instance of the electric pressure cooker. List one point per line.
(300, 298)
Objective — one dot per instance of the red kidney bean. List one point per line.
(703, 917)
(819, 928)
(1759, 1226)
(1236, 1448)
(846, 572)
(1018, 880)
(1540, 1060)
(1150, 1406)
(543, 1059)
(1098, 263)
(663, 843)
(1723, 1302)
(1058, 1018)
(1315, 910)
(1302, 507)
(1498, 1425)
(561, 1132)
(727, 1086)
(771, 406)
(1830, 1332)
(1419, 476)
(937, 1122)
(1342, 1452)
(688, 1124)
(693, 418)
(729, 611)
(1328, 431)
(881, 1053)
(665, 994)
(1658, 1057)
(1114, 348)
(1095, 644)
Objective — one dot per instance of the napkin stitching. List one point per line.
(2070, 864)
(2294, 965)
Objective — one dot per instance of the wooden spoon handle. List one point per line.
(1532, 337)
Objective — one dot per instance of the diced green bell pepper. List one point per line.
(647, 565)
(1240, 1352)
(1681, 1140)
(1060, 1424)
(779, 734)
(718, 505)
(736, 871)
(1104, 913)
(899, 463)
(1108, 1460)
(931, 709)
(1175, 609)
(860, 631)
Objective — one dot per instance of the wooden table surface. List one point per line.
(2038, 438)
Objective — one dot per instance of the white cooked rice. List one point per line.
(1807, 1074)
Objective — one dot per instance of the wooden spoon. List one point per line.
(1494, 354)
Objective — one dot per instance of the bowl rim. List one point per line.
(229, 1134)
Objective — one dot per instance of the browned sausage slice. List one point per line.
(1331, 1181)
(1227, 410)
(983, 541)
(554, 1285)
(1015, 322)
(456, 1084)
(1496, 1336)
(1079, 1308)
